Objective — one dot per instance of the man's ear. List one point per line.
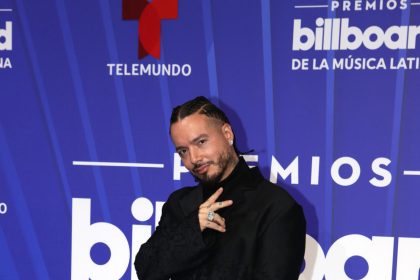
(227, 132)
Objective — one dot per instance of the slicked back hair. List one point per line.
(200, 105)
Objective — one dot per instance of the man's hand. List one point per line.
(207, 215)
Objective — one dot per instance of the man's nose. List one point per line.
(195, 156)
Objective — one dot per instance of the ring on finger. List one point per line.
(210, 216)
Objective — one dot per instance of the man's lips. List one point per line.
(201, 169)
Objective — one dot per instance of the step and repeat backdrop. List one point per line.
(325, 93)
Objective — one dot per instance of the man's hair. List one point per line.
(200, 105)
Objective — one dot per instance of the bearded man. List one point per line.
(234, 224)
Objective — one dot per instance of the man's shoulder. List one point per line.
(268, 190)
(276, 204)
(274, 195)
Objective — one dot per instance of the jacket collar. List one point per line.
(242, 179)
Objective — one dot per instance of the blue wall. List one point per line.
(66, 101)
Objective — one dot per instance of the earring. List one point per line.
(231, 142)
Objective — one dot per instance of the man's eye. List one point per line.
(202, 141)
(181, 153)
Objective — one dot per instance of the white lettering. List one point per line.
(408, 261)
(85, 235)
(5, 63)
(172, 70)
(142, 210)
(382, 177)
(322, 65)
(3, 208)
(406, 63)
(339, 35)
(299, 33)
(315, 264)
(315, 171)
(378, 253)
(300, 64)
(292, 169)
(178, 167)
(6, 33)
(355, 174)
(368, 5)
(379, 170)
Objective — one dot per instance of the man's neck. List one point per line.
(232, 165)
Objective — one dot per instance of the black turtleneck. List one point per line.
(237, 176)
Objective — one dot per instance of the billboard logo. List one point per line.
(338, 34)
(86, 235)
(377, 251)
(149, 16)
(6, 37)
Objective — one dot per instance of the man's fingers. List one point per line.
(217, 219)
(214, 220)
(212, 199)
(221, 204)
(203, 215)
(215, 226)
(217, 205)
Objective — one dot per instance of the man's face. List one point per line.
(203, 145)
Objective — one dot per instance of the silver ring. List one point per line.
(210, 216)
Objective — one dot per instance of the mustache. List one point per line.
(198, 165)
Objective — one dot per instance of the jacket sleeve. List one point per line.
(281, 247)
(175, 246)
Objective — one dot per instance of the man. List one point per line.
(234, 224)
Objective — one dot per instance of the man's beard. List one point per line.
(223, 162)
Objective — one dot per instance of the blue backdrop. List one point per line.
(326, 93)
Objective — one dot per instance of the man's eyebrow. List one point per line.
(192, 141)
(179, 148)
(199, 137)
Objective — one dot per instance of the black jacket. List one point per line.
(264, 238)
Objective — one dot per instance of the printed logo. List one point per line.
(149, 16)
(346, 36)
(377, 251)
(6, 37)
(86, 235)
(6, 46)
